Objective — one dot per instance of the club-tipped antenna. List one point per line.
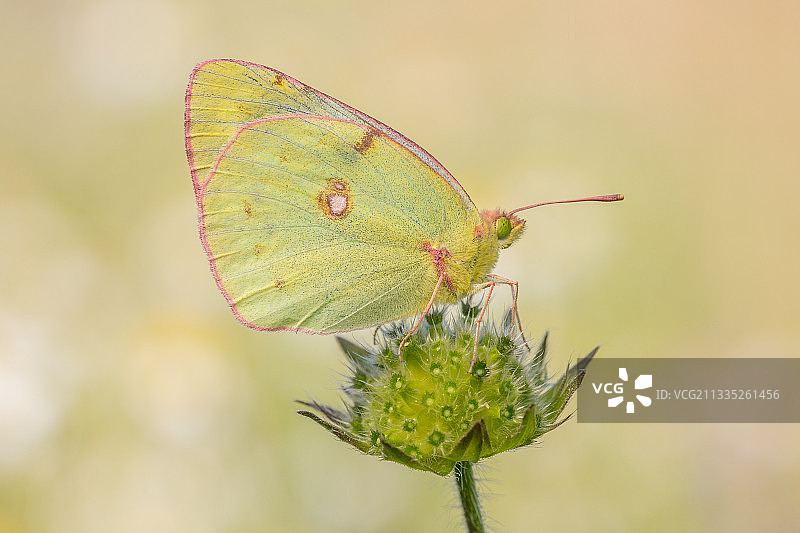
(604, 198)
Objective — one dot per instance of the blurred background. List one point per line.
(131, 399)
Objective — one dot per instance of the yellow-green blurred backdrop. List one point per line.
(130, 398)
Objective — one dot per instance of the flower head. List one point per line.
(428, 412)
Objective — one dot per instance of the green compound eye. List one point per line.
(503, 228)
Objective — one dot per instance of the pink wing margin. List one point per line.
(398, 137)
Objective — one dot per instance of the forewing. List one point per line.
(318, 224)
(224, 95)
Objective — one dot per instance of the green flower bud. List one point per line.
(428, 412)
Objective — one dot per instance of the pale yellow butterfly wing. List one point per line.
(321, 225)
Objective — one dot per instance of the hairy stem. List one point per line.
(468, 494)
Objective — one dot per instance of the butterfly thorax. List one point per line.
(466, 263)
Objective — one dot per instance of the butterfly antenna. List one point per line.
(604, 198)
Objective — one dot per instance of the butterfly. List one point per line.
(319, 218)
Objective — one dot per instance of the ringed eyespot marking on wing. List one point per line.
(335, 200)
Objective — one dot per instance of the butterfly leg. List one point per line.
(514, 293)
(422, 316)
(490, 285)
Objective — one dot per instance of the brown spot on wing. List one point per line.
(278, 81)
(365, 142)
(247, 208)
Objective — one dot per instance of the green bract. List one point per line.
(427, 412)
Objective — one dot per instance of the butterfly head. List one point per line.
(504, 227)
